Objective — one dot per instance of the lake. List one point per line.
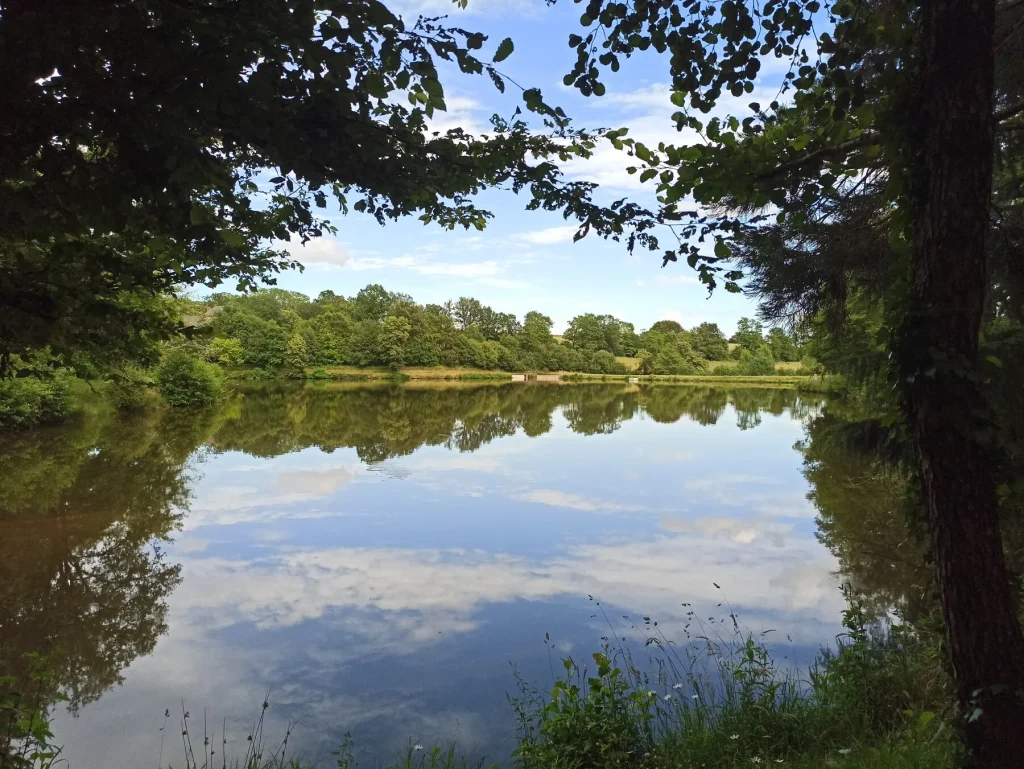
(382, 558)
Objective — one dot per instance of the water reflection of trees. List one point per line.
(870, 514)
(381, 422)
(866, 515)
(85, 508)
(83, 580)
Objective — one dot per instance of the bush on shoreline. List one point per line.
(184, 380)
(31, 401)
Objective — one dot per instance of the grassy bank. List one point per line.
(784, 368)
(76, 397)
(831, 385)
(692, 379)
(354, 373)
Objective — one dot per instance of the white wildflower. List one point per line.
(652, 693)
(845, 752)
(417, 746)
(696, 697)
(677, 686)
(755, 760)
(668, 697)
(734, 737)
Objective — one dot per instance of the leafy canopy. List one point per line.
(152, 143)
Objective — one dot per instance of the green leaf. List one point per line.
(233, 238)
(504, 50)
(722, 249)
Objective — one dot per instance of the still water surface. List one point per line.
(376, 556)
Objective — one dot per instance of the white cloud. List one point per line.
(490, 459)
(426, 590)
(650, 98)
(755, 494)
(318, 483)
(519, 8)
(678, 279)
(488, 272)
(682, 318)
(738, 530)
(488, 269)
(463, 112)
(721, 481)
(362, 263)
(647, 113)
(558, 499)
(241, 496)
(549, 236)
(571, 501)
(319, 251)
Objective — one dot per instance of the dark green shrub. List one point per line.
(760, 363)
(593, 721)
(129, 389)
(29, 401)
(187, 381)
(603, 362)
(258, 373)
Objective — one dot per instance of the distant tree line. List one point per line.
(273, 329)
(276, 332)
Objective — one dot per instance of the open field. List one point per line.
(632, 364)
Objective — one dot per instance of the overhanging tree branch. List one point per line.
(866, 139)
(1008, 112)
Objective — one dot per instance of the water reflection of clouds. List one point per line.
(393, 635)
(488, 459)
(570, 501)
(761, 495)
(230, 493)
(425, 592)
(741, 531)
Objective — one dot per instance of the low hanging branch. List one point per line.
(1008, 112)
(866, 139)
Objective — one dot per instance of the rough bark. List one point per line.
(952, 176)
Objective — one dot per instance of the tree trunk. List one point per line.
(952, 177)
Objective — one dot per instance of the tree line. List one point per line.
(271, 329)
(272, 332)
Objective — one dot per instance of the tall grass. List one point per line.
(834, 384)
(722, 702)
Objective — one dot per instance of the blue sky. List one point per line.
(526, 260)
